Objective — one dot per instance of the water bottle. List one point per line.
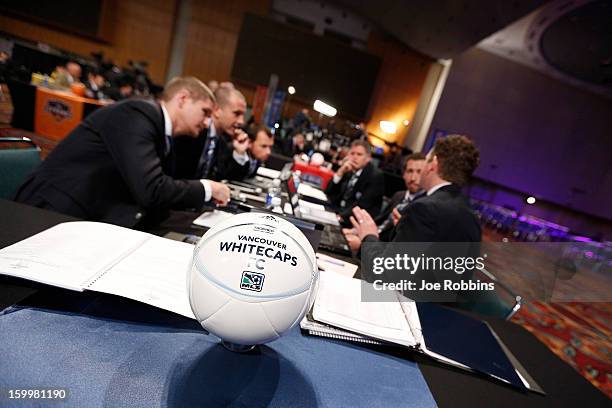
(296, 179)
(273, 192)
(276, 205)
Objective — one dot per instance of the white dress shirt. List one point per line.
(168, 133)
(437, 187)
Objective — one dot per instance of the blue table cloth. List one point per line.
(118, 363)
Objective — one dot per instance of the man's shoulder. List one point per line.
(136, 115)
(449, 201)
(372, 172)
(399, 195)
(149, 107)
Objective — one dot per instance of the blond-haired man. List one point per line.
(114, 167)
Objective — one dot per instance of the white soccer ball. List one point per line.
(252, 278)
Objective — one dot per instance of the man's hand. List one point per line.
(395, 216)
(220, 192)
(347, 167)
(348, 231)
(241, 143)
(353, 242)
(363, 224)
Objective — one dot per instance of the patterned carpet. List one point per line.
(579, 333)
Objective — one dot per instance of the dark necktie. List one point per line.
(168, 147)
(207, 157)
(252, 167)
(349, 190)
(401, 207)
(169, 156)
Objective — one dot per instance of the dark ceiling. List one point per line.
(580, 43)
(441, 28)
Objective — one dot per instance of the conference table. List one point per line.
(111, 351)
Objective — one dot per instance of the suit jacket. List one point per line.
(187, 152)
(444, 216)
(367, 192)
(114, 168)
(389, 233)
(395, 200)
(225, 167)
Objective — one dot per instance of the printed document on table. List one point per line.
(338, 303)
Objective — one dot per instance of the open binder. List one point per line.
(82, 255)
(444, 335)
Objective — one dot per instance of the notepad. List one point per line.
(84, 255)
(310, 191)
(445, 335)
(330, 264)
(268, 173)
(338, 303)
(210, 218)
(311, 213)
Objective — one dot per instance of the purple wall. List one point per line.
(578, 223)
(536, 134)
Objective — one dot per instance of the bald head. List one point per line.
(74, 69)
(231, 107)
(226, 92)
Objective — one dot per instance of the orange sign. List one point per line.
(261, 94)
(57, 113)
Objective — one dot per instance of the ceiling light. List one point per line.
(388, 127)
(324, 108)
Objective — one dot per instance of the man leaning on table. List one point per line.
(114, 167)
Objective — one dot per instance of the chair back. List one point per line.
(16, 163)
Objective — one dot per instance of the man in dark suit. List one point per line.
(356, 183)
(295, 144)
(219, 152)
(114, 166)
(444, 215)
(398, 204)
(258, 142)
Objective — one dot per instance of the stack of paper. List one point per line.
(268, 173)
(309, 191)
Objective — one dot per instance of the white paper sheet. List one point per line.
(155, 274)
(210, 218)
(330, 264)
(69, 254)
(105, 258)
(269, 173)
(308, 204)
(324, 217)
(339, 303)
(310, 191)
